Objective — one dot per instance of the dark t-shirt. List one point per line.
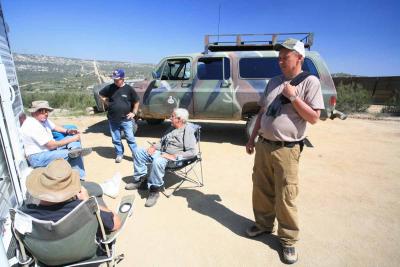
(58, 211)
(121, 100)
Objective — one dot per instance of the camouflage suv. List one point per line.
(224, 82)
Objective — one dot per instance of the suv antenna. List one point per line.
(219, 19)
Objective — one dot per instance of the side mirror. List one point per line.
(155, 75)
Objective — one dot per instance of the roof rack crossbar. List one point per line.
(241, 42)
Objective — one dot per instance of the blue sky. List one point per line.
(358, 37)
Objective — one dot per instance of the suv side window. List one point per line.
(267, 67)
(309, 66)
(176, 69)
(259, 67)
(213, 68)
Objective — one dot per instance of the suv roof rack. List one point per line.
(249, 42)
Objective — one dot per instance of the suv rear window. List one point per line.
(267, 67)
(211, 68)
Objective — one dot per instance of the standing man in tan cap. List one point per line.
(59, 190)
(288, 103)
(40, 146)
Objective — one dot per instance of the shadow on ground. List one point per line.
(209, 205)
(100, 127)
(109, 152)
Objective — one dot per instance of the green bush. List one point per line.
(352, 98)
(77, 101)
(393, 105)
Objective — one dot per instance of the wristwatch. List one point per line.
(292, 98)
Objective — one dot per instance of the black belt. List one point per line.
(281, 143)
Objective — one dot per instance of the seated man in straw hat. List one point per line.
(59, 191)
(40, 146)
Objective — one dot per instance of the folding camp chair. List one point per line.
(188, 169)
(72, 241)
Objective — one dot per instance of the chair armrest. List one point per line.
(181, 163)
(125, 210)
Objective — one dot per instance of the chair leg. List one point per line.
(201, 173)
(173, 189)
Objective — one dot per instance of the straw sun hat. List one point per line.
(57, 182)
(40, 104)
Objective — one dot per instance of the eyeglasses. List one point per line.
(43, 111)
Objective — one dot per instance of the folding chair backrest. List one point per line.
(196, 129)
(71, 239)
(186, 166)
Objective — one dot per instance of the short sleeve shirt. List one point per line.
(289, 125)
(36, 134)
(121, 100)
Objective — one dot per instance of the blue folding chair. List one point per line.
(187, 169)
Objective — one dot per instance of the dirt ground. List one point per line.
(349, 202)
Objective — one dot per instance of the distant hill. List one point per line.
(342, 74)
(48, 73)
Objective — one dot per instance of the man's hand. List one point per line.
(168, 156)
(104, 100)
(83, 194)
(130, 115)
(72, 131)
(250, 147)
(151, 150)
(289, 90)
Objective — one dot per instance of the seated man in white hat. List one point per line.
(59, 190)
(178, 142)
(40, 146)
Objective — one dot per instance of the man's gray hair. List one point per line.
(182, 113)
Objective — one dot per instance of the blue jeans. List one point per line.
(115, 128)
(158, 164)
(44, 158)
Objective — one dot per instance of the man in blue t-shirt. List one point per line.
(123, 104)
(59, 191)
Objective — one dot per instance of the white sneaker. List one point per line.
(111, 187)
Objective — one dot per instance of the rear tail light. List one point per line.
(332, 101)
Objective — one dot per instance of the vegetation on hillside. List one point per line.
(393, 104)
(67, 82)
(352, 98)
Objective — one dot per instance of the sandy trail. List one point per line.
(349, 199)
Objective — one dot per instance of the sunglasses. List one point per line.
(43, 111)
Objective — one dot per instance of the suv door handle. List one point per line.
(225, 84)
(186, 85)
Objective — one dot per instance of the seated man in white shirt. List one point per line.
(40, 146)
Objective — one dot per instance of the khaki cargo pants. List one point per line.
(275, 188)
